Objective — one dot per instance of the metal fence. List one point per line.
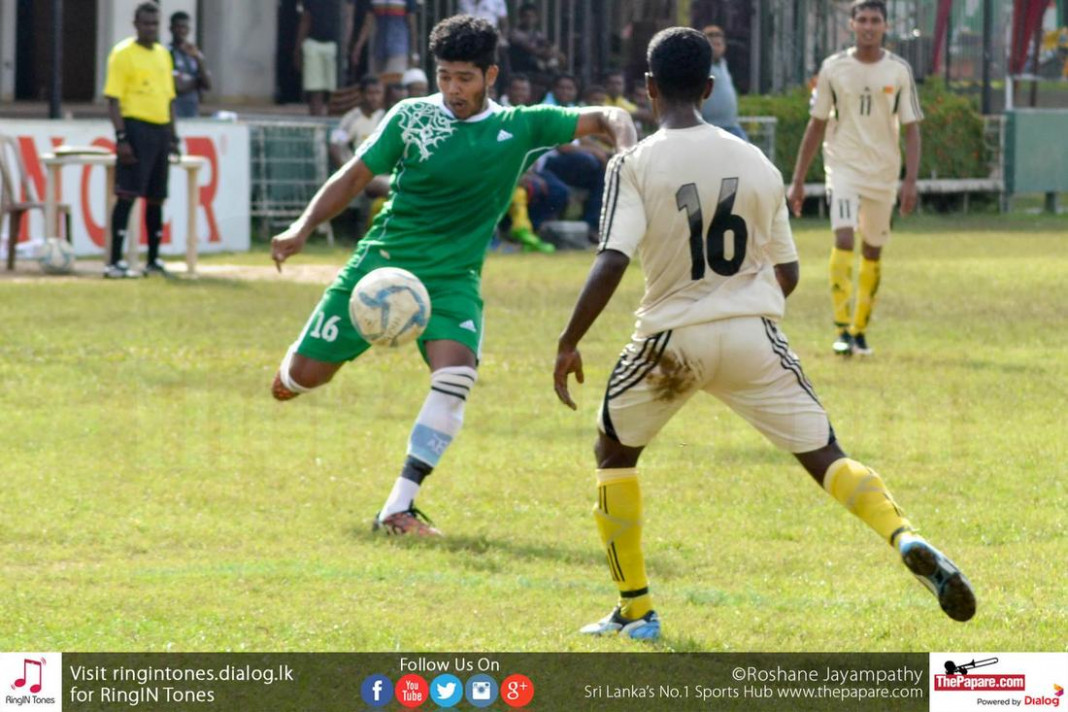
(761, 132)
(289, 164)
(794, 36)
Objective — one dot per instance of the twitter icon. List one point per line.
(446, 690)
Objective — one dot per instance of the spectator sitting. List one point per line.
(360, 123)
(415, 81)
(522, 229)
(643, 117)
(615, 87)
(355, 127)
(395, 92)
(191, 75)
(564, 91)
(721, 107)
(518, 91)
(595, 95)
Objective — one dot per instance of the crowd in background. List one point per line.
(384, 68)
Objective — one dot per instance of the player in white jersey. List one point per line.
(863, 96)
(706, 214)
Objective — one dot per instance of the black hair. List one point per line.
(565, 75)
(518, 77)
(527, 6)
(680, 60)
(147, 6)
(463, 38)
(180, 16)
(613, 73)
(859, 5)
(369, 80)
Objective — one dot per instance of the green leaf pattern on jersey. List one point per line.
(424, 126)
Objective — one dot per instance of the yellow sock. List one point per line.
(867, 286)
(518, 211)
(862, 492)
(841, 285)
(619, 522)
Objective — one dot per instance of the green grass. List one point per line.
(156, 498)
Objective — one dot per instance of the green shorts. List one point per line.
(455, 314)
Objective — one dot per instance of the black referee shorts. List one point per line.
(147, 178)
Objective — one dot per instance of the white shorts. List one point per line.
(859, 209)
(745, 362)
(320, 65)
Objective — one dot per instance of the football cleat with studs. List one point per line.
(843, 345)
(412, 522)
(645, 628)
(279, 391)
(941, 577)
(860, 346)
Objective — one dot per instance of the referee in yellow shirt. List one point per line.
(140, 92)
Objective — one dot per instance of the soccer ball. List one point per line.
(389, 307)
(56, 256)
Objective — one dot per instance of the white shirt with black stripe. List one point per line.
(705, 213)
(865, 104)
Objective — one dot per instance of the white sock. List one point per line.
(283, 373)
(400, 498)
(438, 422)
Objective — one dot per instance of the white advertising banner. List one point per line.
(222, 219)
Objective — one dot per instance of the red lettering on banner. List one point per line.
(32, 161)
(200, 146)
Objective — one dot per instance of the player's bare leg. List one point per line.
(841, 274)
(619, 523)
(452, 375)
(300, 374)
(862, 492)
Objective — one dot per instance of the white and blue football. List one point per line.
(389, 307)
(56, 256)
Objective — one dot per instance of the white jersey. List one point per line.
(868, 101)
(706, 214)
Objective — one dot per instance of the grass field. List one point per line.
(157, 499)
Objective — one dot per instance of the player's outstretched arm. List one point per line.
(601, 284)
(795, 197)
(610, 121)
(348, 182)
(909, 195)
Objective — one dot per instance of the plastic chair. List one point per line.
(15, 183)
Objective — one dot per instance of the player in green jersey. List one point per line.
(454, 159)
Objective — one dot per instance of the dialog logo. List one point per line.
(412, 691)
(1057, 690)
(446, 690)
(481, 690)
(377, 690)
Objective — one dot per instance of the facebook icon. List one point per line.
(377, 690)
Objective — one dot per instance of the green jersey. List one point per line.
(451, 180)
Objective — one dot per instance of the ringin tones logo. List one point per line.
(31, 683)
